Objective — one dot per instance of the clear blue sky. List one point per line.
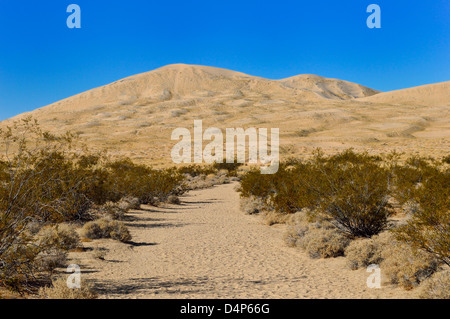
(43, 61)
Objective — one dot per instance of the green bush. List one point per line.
(350, 189)
(429, 225)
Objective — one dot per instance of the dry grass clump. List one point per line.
(173, 199)
(61, 236)
(271, 217)
(53, 243)
(324, 243)
(406, 266)
(319, 238)
(59, 290)
(437, 286)
(364, 252)
(128, 202)
(48, 261)
(106, 228)
(205, 181)
(251, 205)
(112, 210)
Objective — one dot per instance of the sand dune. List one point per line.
(135, 116)
(429, 95)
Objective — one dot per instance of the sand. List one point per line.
(135, 116)
(207, 248)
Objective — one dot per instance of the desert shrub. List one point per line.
(17, 264)
(251, 205)
(367, 251)
(231, 168)
(350, 189)
(173, 199)
(140, 181)
(407, 266)
(298, 226)
(410, 176)
(272, 218)
(61, 236)
(319, 238)
(446, 159)
(324, 243)
(49, 260)
(354, 192)
(106, 228)
(429, 225)
(196, 170)
(437, 286)
(111, 210)
(44, 180)
(59, 290)
(128, 203)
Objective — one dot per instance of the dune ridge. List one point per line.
(135, 116)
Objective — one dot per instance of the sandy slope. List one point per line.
(207, 248)
(437, 94)
(135, 116)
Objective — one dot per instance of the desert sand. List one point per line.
(135, 116)
(207, 248)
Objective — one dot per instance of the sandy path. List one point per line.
(208, 248)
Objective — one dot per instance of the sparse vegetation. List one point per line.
(437, 286)
(46, 180)
(59, 290)
(342, 205)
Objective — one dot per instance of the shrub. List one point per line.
(364, 252)
(354, 192)
(127, 203)
(112, 210)
(128, 179)
(437, 286)
(406, 266)
(271, 218)
(59, 290)
(324, 243)
(231, 168)
(172, 199)
(298, 226)
(350, 189)
(61, 236)
(429, 226)
(49, 260)
(106, 228)
(319, 238)
(251, 205)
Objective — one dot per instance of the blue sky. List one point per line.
(43, 61)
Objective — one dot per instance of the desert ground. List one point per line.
(207, 248)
